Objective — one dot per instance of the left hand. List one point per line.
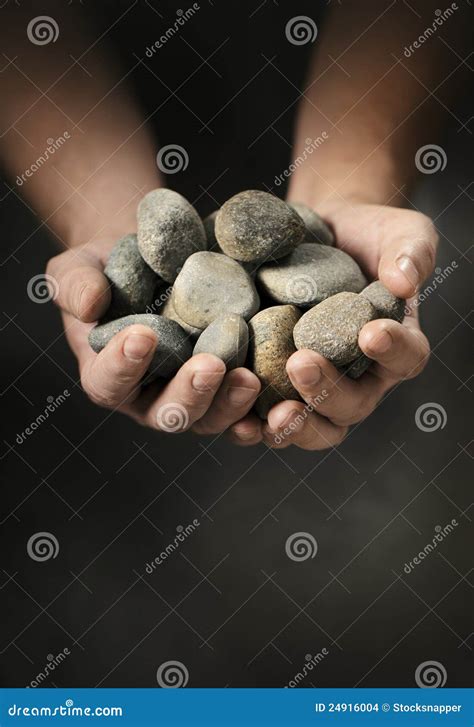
(397, 246)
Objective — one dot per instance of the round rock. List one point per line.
(316, 229)
(169, 311)
(271, 345)
(227, 337)
(172, 350)
(385, 303)
(255, 225)
(356, 368)
(332, 328)
(211, 284)
(169, 231)
(132, 281)
(310, 274)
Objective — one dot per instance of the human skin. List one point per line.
(88, 200)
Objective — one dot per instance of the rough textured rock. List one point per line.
(310, 274)
(385, 303)
(173, 347)
(227, 337)
(271, 345)
(169, 230)
(209, 223)
(132, 281)
(168, 311)
(255, 225)
(356, 368)
(332, 328)
(316, 229)
(211, 284)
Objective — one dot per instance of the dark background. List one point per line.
(229, 604)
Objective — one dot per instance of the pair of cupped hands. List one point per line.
(397, 246)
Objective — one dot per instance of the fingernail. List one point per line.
(136, 347)
(290, 420)
(206, 380)
(240, 395)
(382, 342)
(246, 435)
(407, 266)
(307, 375)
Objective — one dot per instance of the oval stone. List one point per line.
(227, 337)
(172, 350)
(169, 230)
(385, 303)
(169, 311)
(332, 327)
(132, 281)
(310, 274)
(316, 229)
(255, 226)
(211, 284)
(271, 345)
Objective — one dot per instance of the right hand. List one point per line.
(201, 395)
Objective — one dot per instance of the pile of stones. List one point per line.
(252, 283)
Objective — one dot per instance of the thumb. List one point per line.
(409, 258)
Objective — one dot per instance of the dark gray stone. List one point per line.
(227, 337)
(173, 347)
(332, 328)
(169, 231)
(270, 347)
(211, 284)
(316, 229)
(385, 303)
(132, 282)
(257, 226)
(310, 274)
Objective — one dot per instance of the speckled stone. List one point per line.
(385, 303)
(132, 282)
(310, 274)
(209, 223)
(172, 350)
(169, 231)
(356, 368)
(271, 345)
(316, 229)
(227, 337)
(332, 328)
(255, 225)
(211, 284)
(168, 311)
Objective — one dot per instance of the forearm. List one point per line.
(372, 101)
(86, 182)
